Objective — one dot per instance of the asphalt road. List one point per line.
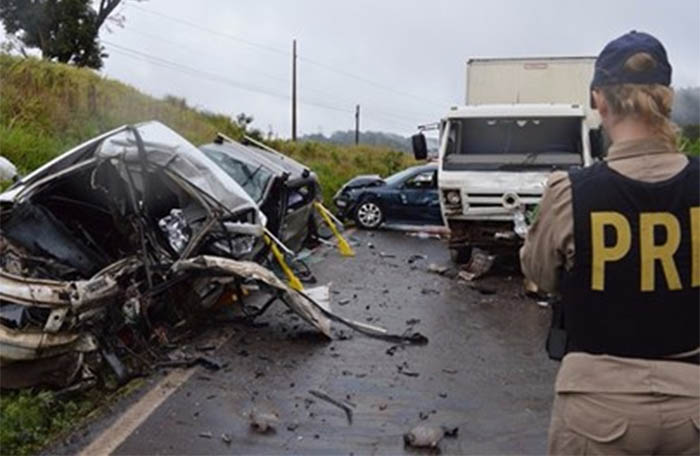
(484, 369)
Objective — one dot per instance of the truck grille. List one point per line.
(496, 203)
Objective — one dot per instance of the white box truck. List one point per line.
(524, 118)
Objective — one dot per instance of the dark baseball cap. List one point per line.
(610, 64)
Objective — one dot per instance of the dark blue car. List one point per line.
(407, 197)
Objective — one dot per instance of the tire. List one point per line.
(369, 215)
(461, 255)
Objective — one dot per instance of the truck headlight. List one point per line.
(453, 197)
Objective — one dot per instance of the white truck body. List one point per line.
(524, 119)
(557, 80)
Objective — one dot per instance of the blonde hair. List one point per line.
(650, 103)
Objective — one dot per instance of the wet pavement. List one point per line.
(483, 370)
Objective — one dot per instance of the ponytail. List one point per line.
(649, 103)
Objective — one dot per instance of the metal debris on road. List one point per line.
(346, 407)
(479, 264)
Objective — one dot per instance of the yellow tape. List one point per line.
(293, 280)
(343, 245)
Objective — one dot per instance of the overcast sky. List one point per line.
(402, 61)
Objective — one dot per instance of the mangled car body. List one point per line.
(283, 188)
(115, 241)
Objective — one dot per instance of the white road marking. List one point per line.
(132, 418)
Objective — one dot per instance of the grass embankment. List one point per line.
(47, 108)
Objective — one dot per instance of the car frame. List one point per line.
(284, 189)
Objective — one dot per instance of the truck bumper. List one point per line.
(491, 235)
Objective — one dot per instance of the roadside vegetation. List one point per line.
(47, 108)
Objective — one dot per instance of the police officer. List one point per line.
(620, 243)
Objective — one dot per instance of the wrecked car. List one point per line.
(284, 189)
(115, 243)
(409, 196)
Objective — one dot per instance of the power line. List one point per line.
(286, 53)
(216, 32)
(180, 46)
(173, 66)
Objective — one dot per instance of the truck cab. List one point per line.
(496, 159)
(524, 118)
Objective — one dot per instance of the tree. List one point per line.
(64, 30)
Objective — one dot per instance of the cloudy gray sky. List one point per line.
(403, 61)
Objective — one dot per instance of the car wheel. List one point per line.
(369, 215)
(461, 255)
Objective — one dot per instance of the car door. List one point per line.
(419, 198)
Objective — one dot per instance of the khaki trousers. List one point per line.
(597, 423)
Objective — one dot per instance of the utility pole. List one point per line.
(357, 124)
(294, 90)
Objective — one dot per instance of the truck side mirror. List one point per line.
(420, 148)
(599, 143)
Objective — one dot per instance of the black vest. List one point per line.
(612, 303)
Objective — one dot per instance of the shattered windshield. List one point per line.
(253, 179)
(479, 143)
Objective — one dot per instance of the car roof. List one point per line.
(426, 167)
(276, 163)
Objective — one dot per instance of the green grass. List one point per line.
(690, 147)
(31, 418)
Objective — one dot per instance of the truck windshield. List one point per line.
(505, 143)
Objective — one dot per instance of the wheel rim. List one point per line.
(369, 214)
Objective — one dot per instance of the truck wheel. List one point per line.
(461, 255)
(369, 215)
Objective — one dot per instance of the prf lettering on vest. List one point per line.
(650, 251)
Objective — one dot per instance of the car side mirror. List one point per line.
(599, 143)
(420, 148)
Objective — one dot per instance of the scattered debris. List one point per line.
(432, 267)
(263, 422)
(425, 436)
(479, 264)
(429, 291)
(404, 370)
(412, 321)
(226, 438)
(206, 435)
(386, 255)
(341, 404)
(450, 371)
(413, 258)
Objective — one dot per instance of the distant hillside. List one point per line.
(373, 138)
